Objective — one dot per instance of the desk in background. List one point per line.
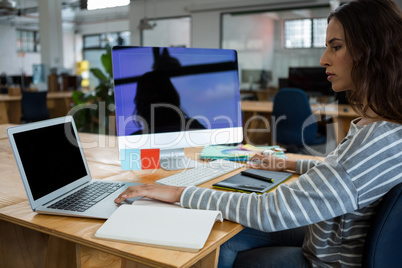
(342, 115)
(28, 239)
(264, 94)
(58, 104)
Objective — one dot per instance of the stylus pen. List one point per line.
(255, 176)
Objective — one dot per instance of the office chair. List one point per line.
(293, 123)
(34, 107)
(383, 246)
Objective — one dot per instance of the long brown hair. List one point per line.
(373, 35)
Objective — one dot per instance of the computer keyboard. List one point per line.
(87, 196)
(201, 173)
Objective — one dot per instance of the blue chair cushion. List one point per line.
(34, 107)
(295, 123)
(383, 246)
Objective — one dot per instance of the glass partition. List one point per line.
(268, 43)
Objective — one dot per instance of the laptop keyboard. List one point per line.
(86, 197)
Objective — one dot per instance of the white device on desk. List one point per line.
(201, 173)
(55, 173)
(172, 98)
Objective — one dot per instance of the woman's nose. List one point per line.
(324, 62)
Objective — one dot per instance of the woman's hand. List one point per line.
(270, 162)
(165, 193)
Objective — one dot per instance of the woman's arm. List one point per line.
(322, 193)
(172, 194)
(271, 162)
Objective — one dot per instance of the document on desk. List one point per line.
(158, 224)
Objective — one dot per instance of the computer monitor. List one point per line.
(3, 79)
(258, 77)
(16, 79)
(311, 80)
(173, 98)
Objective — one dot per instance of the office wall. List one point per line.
(13, 63)
(206, 30)
(206, 19)
(69, 55)
(108, 25)
(285, 58)
(206, 15)
(171, 32)
(152, 10)
(252, 36)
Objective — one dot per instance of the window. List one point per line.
(27, 41)
(92, 41)
(319, 32)
(94, 47)
(259, 39)
(305, 33)
(99, 41)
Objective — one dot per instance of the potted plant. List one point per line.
(94, 110)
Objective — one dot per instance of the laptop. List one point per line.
(55, 173)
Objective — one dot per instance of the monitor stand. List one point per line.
(174, 159)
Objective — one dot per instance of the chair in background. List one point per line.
(383, 246)
(34, 107)
(293, 123)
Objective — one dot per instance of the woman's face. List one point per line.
(336, 58)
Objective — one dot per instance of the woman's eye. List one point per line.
(336, 47)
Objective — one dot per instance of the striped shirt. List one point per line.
(336, 198)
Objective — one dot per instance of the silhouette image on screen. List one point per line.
(157, 105)
(159, 90)
(174, 98)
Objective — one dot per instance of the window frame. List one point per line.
(98, 48)
(312, 33)
(100, 36)
(35, 41)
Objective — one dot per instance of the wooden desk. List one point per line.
(258, 110)
(28, 239)
(58, 104)
(263, 94)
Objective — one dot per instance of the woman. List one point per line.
(322, 219)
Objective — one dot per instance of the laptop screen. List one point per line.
(51, 158)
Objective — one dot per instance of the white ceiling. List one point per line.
(25, 14)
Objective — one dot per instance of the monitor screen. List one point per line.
(176, 97)
(16, 79)
(311, 80)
